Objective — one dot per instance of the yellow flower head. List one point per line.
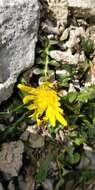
(44, 102)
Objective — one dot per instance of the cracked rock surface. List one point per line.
(19, 22)
(83, 8)
(11, 158)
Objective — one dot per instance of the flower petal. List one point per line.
(28, 98)
(31, 107)
(50, 115)
(61, 119)
(25, 88)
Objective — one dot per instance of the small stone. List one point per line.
(59, 10)
(11, 158)
(82, 22)
(1, 187)
(75, 34)
(11, 119)
(2, 127)
(82, 57)
(62, 72)
(69, 184)
(71, 88)
(47, 184)
(34, 140)
(27, 182)
(49, 28)
(65, 57)
(84, 163)
(87, 159)
(11, 186)
(65, 35)
(83, 8)
(50, 36)
(57, 13)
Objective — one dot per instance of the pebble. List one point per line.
(65, 35)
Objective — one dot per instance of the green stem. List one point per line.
(8, 114)
(46, 68)
(13, 128)
(46, 62)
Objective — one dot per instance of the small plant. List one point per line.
(45, 103)
(88, 46)
(87, 175)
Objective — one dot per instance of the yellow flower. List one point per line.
(45, 103)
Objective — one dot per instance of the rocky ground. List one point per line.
(69, 25)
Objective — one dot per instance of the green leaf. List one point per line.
(68, 67)
(87, 45)
(65, 82)
(37, 71)
(72, 96)
(87, 94)
(74, 159)
(54, 63)
(43, 170)
(87, 175)
(73, 156)
(61, 158)
(79, 141)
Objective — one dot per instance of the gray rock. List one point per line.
(33, 139)
(48, 184)
(27, 182)
(69, 184)
(83, 8)
(18, 35)
(87, 159)
(2, 127)
(82, 58)
(65, 57)
(82, 22)
(71, 88)
(1, 187)
(11, 186)
(75, 34)
(64, 35)
(59, 10)
(49, 27)
(68, 56)
(11, 158)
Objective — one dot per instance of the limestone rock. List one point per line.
(83, 8)
(18, 35)
(87, 159)
(57, 11)
(27, 182)
(65, 35)
(33, 139)
(75, 34)
(1, 187)
(11, 158)
(65, 57)
(11, 186)
(48, 184)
